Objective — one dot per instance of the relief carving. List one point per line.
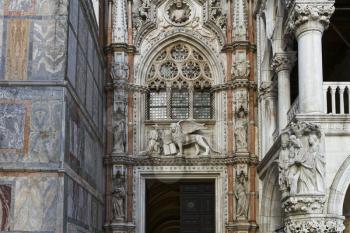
(301, 160)
(172, 141)
(179, 12)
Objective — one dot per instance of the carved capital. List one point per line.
(309, 16)
(303, 204)
(283, 61)
(314, 224)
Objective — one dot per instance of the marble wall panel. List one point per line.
(19, 7)
(36, 203)
(45, 135)
(49, 49)
(17, 49)
(2, 45)
(90, 51)
(5, 206)
(90, 157)
(78, 203)
(83, 30)
(14, 126)
(89, 90)
(73, 14)
(81, 75)
(96, 105)
(52, 7)
(31, 128)
(72, 57)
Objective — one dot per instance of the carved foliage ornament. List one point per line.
(283, 61)
(302, 13)
(314, 225)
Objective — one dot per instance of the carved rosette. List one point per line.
(317, 224)
(309, 16)
(283, 61)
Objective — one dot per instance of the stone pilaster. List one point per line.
(307, 21)
(283, 64)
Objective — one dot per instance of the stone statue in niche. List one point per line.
(119, 135)
(179, 12)
(302, 172)
(118, 197)
(242, 198)
(183, 134)
(241, 130)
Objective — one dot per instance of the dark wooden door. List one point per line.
(197, 202)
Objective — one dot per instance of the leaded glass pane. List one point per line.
(157, 105)
(179, 104)
(202, 104)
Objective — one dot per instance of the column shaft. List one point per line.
(284, 102)
(310, 72)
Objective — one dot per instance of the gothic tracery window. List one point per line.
(179, 81)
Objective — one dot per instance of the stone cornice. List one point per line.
(283, 61)
(179, 161)
(306, 15)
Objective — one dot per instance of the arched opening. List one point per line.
(272, 214)
(346, 211)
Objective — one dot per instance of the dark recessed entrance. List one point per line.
(181, 207)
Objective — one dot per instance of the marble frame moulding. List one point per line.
(176, 173)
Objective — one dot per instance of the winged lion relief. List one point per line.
(185, 133)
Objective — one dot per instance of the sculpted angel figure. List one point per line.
(183, 134)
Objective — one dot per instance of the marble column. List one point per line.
(308, 21)
(283, 64)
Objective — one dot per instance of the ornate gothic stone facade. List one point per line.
(154, 116)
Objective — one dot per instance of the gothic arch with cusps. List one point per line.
(218, 72)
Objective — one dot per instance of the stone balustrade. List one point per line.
(336, 97)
